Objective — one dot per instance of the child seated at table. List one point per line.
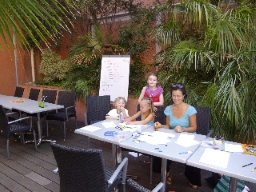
(146, 113)
(119, 112)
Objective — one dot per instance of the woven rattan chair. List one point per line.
(67, 99)
(18, 91)
(203, 117)
(133, 186)
(33, 94)
(84, 170)
(8, 128)
(97, 108)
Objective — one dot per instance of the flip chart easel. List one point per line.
(114, 79)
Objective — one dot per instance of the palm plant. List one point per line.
(211, 50)
(29, 18)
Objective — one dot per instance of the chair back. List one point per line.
(97, 107)
(4, 128)
(18, 91)
(203, 117)
(51, 95)
(67, 99)
(33, 94)
(160, 116)
(80, 169)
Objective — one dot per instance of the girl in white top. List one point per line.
(119, 112)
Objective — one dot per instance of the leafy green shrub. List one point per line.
(53, 68)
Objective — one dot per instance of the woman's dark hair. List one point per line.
(179, 86)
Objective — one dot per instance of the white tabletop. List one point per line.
(234, 168)
(99, 134)
(170, 151)
(28, 106)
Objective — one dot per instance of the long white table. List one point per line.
(171, 151)
(29, 106)
(99, 135)
(234, 168)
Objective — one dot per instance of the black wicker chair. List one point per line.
(33, 94)
(84, 170)
(97, 108)
(18, 91)
(68, 99)
(203, 117)
(8, 128)
(133, 186)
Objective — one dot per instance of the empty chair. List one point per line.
(203, 117)
(8, 128)
(50, 95)
(84, 170)
(133, 186)
(97, 108)
(68, 100)
(33, 94)
(18, 91)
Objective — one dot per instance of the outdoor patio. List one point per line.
(28, 170)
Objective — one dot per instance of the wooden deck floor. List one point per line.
(28, 170)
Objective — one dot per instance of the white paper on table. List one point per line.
(90, 128)
(155, 138)
(186, 140)
(108, 124)
(215, 157)
(233, 148)
(188, 143)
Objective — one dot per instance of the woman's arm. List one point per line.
(142, 94)
(161, 101)
(191, 128)
(167, 126)
(142, 122)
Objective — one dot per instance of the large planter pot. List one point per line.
(132, 105)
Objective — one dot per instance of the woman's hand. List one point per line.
(157, 124)
(179, 129)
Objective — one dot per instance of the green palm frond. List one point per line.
(30, 18)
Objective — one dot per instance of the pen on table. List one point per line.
(247, 165)
(253, 169)
(185, 152)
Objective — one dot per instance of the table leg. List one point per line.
(163, 173)
(39, 129)
(232, 184)
(114, 155)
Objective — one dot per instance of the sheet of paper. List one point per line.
(233, 148)
(186, 140)
(215, 158)
(155, 138)
(90, 128)
(187, 143)
(108, 124)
